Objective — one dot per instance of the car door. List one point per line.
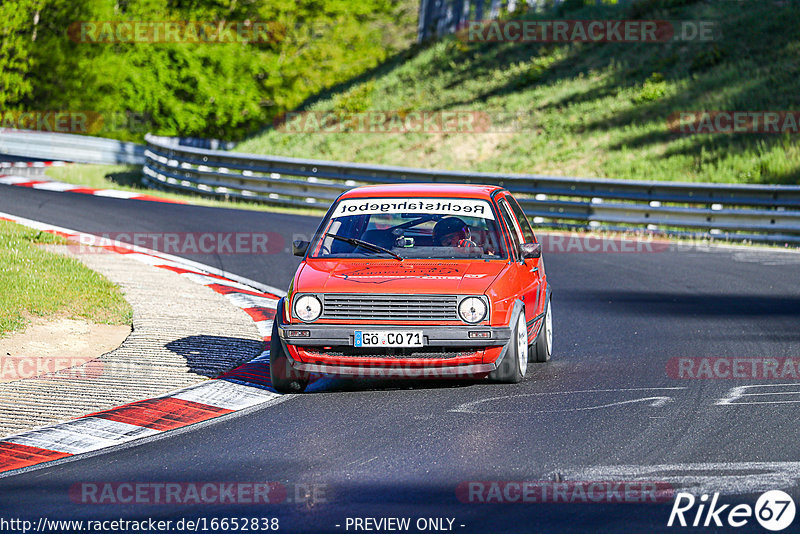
(535, 264)
(527, 269)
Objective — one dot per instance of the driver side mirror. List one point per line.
(299, 248)
(530, 250)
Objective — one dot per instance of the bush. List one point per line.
(653, 89)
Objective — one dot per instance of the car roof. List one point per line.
(423, 190)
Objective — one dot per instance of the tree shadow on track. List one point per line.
(682, 304)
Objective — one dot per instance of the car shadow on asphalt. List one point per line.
(215, 356)
(212, 355)
(341, 385)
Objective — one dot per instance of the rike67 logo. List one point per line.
(774, 510)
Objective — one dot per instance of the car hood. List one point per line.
(408, 276)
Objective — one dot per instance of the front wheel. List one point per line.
(284, 378)
(544, 341)
(515, 363)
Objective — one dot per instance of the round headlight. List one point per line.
(472, 309)
(307, 308)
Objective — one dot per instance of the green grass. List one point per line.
(584, 109)
(35, 282)
(129, 178)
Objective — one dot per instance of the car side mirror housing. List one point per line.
(530, 250)
(299, 248)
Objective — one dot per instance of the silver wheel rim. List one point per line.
(522, 344)
(548, 325)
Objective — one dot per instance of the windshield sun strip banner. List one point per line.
(429, 206)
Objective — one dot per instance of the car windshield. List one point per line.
(429, 228)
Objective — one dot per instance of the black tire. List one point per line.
(544, 341)
(515, 363)
(284, 378)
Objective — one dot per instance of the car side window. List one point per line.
(513, 229)
(527, 231)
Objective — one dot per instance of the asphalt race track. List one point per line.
(603, 409)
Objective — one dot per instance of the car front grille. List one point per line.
(444, 353)
(390, 307)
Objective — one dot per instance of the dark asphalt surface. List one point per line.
(396, 448)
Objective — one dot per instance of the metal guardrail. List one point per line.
(69, 147)
(768, 213)
(213, 144)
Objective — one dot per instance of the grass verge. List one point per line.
(35, 282)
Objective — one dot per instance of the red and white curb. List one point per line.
(241, 388)
(27, 164)
(53, 185)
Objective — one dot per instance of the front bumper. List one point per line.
(328, 349)
(325, 335)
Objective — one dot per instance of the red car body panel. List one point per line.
(410, 276)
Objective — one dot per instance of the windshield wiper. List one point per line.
(364, 244)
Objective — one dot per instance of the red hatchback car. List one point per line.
(415, 281)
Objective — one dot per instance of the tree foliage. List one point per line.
(202, 89)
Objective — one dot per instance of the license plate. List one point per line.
(382, 338)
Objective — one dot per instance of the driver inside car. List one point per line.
(452, 232)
